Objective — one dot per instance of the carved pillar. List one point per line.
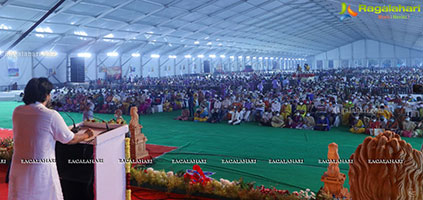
(333, 179)
(138, 139)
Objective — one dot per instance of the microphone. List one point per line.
(53, 104)
(75, 129)
(104, 121)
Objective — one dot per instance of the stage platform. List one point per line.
(217, 142)
(155, 151)
(13, 95)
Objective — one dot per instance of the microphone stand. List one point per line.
(102, 120)
(75, 129)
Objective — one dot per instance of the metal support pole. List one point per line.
(141, 67)
(160, 69)
(351, 64)
(174, 67)
(68, 67)
(120, 62)
(189, 65)
(96, 66)
(32, 65)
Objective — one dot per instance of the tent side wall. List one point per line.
(57, 68)
(367, 53)
(23, 66)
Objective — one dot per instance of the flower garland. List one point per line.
(183, 182)
(222, 188)
(196, 175)
(6, 148)
(128, 168)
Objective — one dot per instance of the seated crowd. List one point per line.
(368, 101)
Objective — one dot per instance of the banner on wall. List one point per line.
(219, 69)
(132, 69)
(51, 72)
(13, 72)
(12, 69)
(114, 72)
(132, 73)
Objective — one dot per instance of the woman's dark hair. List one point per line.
(37, 89)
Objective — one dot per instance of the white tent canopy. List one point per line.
(261, 27)
(256, 28)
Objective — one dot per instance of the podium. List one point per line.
(92, 169)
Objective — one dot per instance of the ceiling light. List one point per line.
(222, 56)
(84, 55)
(172, 56)
(113, 54)
(188, 56)
(109, 36)
(200, 56)
(4, 27)
(43, 30)
(135, 54)
(212, 56)
(155, 55)
(81, 33)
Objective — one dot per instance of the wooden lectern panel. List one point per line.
(106, 176)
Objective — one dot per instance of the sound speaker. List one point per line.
(77, 69)
(417, 89)
(248, 68)
(206, 66)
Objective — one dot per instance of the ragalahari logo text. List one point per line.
(348, 9)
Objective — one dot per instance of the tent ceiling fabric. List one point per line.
(268, 27)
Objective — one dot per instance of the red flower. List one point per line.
(196, 175)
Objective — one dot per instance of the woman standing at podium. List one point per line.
(33, 172)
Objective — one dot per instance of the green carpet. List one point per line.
(215, 142)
